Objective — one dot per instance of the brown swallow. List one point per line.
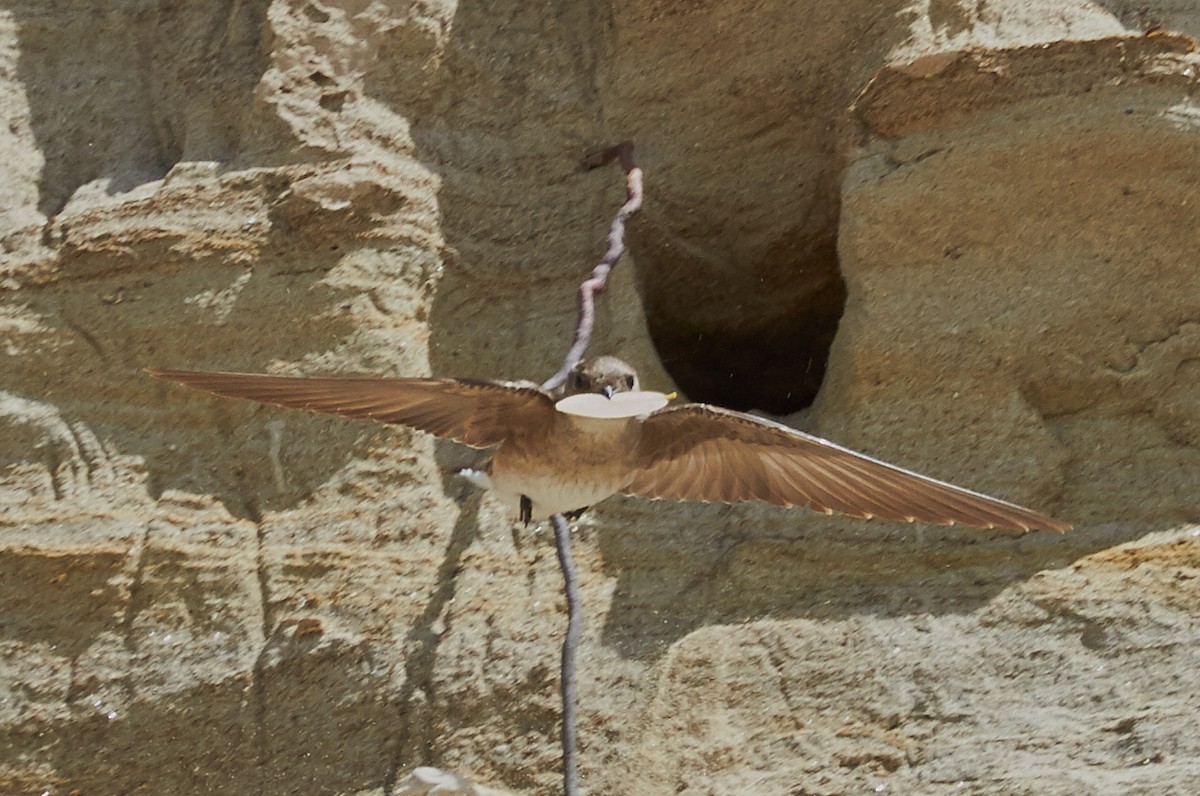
(600, 435)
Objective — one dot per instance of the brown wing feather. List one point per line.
(476, 413)
(700, 452)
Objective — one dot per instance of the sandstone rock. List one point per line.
(970, 225)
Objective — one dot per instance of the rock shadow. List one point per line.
(118, 95)
(90, 372)
(681, 567)
(323, 731)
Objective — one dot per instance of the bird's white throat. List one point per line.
(622, 404)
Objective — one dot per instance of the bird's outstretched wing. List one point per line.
(476, 413)
(700, 452)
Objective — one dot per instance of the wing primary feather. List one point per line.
(865, 496)
(754, 475)
(476, 413)
(731, 472)
(821, 491)
(739, 457)
(961, 506)
(866, 486)
(782, 482)
(787, 490)
(932, 507)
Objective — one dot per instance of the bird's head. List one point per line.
(605, 375)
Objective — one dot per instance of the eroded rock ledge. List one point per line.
(983, 213)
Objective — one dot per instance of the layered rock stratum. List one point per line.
(958, 235)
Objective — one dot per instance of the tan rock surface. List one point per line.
(201, 596)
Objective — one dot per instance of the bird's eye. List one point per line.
(629, 382)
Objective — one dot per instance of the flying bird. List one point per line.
(600, 435)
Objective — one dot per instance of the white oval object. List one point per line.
(622, 404)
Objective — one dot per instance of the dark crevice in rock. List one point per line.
(754, 337)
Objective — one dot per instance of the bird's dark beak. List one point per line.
(608, 390)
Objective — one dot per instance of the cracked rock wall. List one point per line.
(992, 205)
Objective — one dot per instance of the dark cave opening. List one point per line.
(747, 339)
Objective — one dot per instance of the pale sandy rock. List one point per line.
(203, 596)
(426, 779)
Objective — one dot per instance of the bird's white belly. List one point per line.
(588, 461)
(554, 494)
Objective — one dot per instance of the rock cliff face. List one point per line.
(961, 236)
